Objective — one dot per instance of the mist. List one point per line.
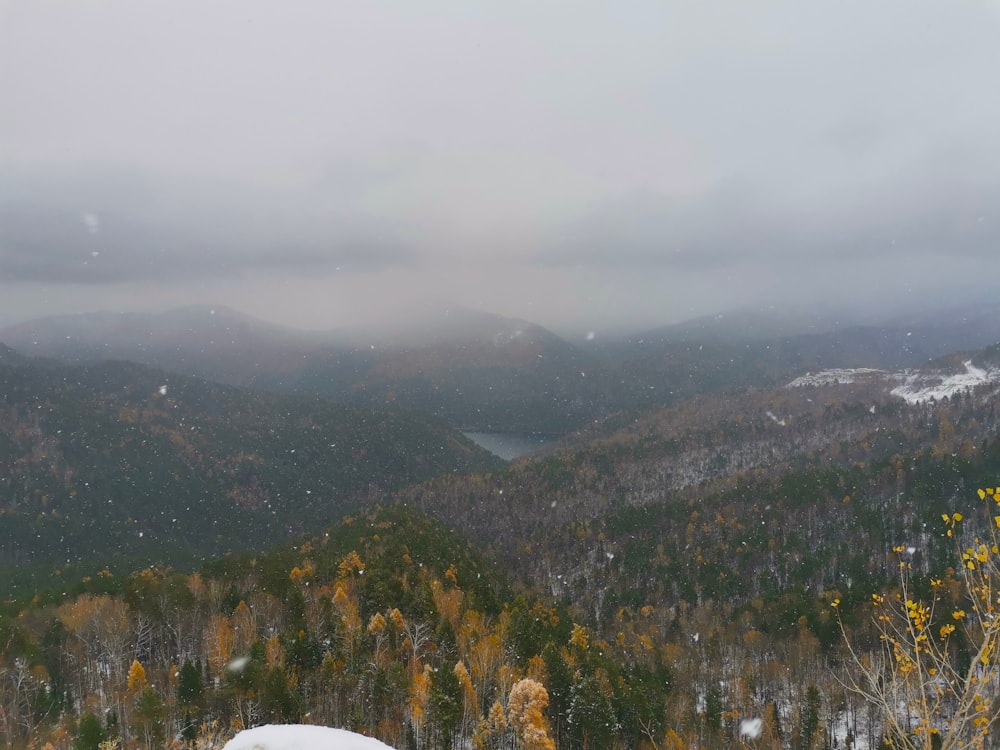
(582, 166)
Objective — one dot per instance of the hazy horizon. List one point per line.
(580, 166)
(421, 319)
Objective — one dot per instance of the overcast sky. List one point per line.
(316, 162)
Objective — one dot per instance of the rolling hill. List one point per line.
(648, 571)
(117, 463)
(484, 372)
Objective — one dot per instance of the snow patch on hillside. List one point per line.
(301, 737)
(913, 386)
(840, 376)
(918, 387)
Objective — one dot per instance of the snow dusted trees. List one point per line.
(525, 712)
(936, 677)
(523, 726)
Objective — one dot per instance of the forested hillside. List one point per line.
(485, 372)
(807, 483)
(118, 464)
(652, 582)
(392, 626)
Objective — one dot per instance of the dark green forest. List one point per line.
(183, 559)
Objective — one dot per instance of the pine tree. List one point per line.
(189, 686)
(809, 719)
(279, 702)
(560, 683)
(592, 717)
(90, 733)
(189, 699)
(446, 705)
(148, 718)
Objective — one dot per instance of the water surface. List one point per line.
(510, 445)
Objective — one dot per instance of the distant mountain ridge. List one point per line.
(217, 343)
(473, 369)
(485, 372)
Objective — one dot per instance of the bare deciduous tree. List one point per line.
(935, 676)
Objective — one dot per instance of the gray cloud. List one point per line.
(559, 160)
(99, 228)
(944, 205)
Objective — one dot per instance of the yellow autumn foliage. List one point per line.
(525, 712)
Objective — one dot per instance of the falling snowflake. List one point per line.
(91, 221)
(238, 664)
(751, 728)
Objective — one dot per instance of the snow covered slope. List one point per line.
(914, 386)
(921, 386)
(838, 376)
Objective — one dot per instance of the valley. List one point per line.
(309, 538)
(499, 375)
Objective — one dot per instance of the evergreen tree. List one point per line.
(148, 723)
(446, 705)
(90, 733)
(560, 685)
(592, 717)
(280, 704)
(809, 719)
(189, 686)
(189, 699)
(713, 711)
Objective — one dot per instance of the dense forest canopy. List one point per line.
(672, 577)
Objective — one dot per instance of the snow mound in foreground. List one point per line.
(301, 737)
